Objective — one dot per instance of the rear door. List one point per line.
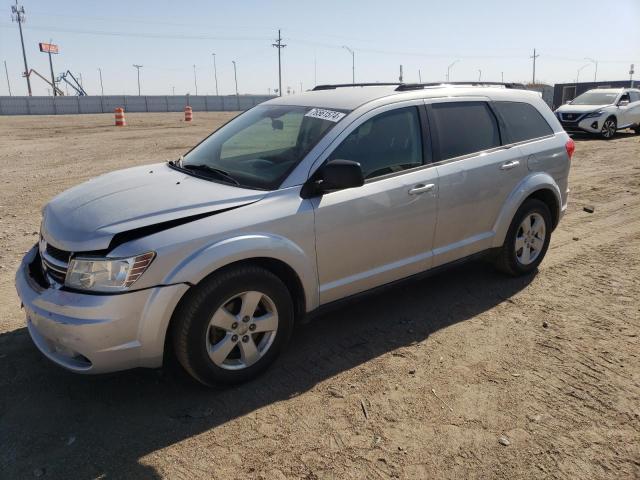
(476, 175)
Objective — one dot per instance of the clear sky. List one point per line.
(169, 37)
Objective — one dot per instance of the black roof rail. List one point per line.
(343, 85)
(417, 86)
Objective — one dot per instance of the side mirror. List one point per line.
(334, 175)
(623, 103)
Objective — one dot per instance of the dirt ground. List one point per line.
(418, 382)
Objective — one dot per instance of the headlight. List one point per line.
(106, 274)
(595, 114)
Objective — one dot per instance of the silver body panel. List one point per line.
(338, 244)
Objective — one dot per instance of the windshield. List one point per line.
(595, 98)
(259, 148)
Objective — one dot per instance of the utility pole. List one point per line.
(7, 74)
(173, 90)
(479, 75)
(419, 76)
(195, 79)
(400, 77)
(595, 73)
(101, 87)
(631, 72)
(279, 45)
(449, 69)
(138, 67)
(235, 76)
(353, 63)
(18, 16)
(315, 70)
(534, 56)
(300, 87)
(502, 76)
(215, 72)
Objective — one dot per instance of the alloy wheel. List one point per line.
(609, 128)
(242, 330)
(530, 238)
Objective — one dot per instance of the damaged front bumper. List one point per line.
(96, 333)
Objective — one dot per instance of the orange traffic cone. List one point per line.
(188, 113)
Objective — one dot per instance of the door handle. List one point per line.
(421, 188)
(509, 165)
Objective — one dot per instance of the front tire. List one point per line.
(233, 325)
(609, 128)
(527, 240)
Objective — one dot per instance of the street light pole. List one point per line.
(235, 76)
(215, 72)
(595, 73)
(195, 79)
(479, 75)
(579, 70)
(449, 69)
(353, 63)
(138, 67)
(101, 87)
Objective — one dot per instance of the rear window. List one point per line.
(522, 121)
(464, 128)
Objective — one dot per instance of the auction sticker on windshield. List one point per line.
(323, 114)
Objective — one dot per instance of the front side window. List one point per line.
(261, 147)
(387, 143)
(464, 128)
(522, 121)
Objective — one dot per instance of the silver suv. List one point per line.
(296, 204)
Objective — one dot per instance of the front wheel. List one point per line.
(527, 240)
(609, 128)
(233, 325)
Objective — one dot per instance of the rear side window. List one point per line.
(522, 121)
(464, 128)
(635, 96)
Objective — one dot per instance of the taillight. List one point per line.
(571, 147)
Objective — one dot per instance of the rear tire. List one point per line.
(527, 239)
(232, 325)
(637, 129)
(609, 128)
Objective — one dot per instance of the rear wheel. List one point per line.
(637, 129)
(609, 128)
(527, 240)
(233, 325)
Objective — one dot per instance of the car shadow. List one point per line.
(589, 137)
(66, 425)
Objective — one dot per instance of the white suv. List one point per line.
(602, 111)
(296, 204)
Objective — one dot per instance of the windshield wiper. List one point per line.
(215, 171)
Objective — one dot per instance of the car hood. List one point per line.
(579, 108)
(86, 217)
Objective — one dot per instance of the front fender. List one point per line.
(530, 184)
(206, 260)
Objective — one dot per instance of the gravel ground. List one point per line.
(422, 381)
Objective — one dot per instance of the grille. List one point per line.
(55, 263)
(571, 116)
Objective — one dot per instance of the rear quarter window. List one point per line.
(522, 121)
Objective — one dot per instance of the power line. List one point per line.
(279, 45)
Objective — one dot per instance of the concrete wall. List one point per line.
(130, 103)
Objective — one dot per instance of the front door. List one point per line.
(383, 230)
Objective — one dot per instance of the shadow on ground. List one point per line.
(113, 421)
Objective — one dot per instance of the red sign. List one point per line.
(48, 48)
